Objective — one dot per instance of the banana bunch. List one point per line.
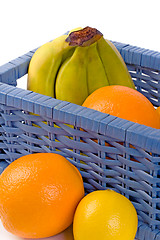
(74, 65)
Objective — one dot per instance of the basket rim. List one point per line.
(85, 118)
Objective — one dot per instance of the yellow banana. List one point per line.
(71, 82)
(74, 65)
(115, 68)
(45, 63)
(96, 76)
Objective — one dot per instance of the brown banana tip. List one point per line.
(84, 37)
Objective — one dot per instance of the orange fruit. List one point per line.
(124, 102)
(158, 110)
(39, 194)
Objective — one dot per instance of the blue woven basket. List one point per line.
(104, 163)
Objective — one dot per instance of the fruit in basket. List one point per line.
(72, 66)
(124, 102)
(158, 110)
(105, 215)
(39, 194)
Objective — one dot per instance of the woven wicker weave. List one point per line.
(110, 152)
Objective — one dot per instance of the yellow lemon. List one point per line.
(105, 215)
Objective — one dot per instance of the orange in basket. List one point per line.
(39, 194)
(158, 110)
(124, 102)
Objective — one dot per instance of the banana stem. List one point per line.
(84, 37)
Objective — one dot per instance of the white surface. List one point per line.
(66, 235)
(26, 25)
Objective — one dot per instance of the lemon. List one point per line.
(105, 215)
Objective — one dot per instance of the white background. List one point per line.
(25, 25)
